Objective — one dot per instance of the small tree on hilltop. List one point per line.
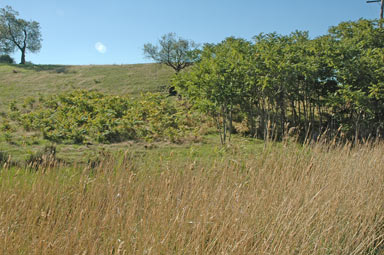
(18, 33)
(173, 51)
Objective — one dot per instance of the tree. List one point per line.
(216, 83)
(359, 64)
(333, 83)
(18, 33)
(173, 51)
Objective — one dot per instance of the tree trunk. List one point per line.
(251, 118)
(299, 111)
(230, 122)
(22, 62)
(224, 115)
(305, 114)
(294, 112)
(357, 127)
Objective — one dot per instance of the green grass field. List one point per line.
(18, 82)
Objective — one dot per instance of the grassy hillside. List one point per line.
(18, 82)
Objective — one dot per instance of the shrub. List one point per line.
(84, 116)
(8, 137)
(6, 59)
(6, 126)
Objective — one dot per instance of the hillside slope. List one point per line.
(18, 82)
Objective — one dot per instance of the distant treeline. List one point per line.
(334, 82)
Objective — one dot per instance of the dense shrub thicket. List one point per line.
(84, 116)
(334, 82)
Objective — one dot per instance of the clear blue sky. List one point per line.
(72, 29)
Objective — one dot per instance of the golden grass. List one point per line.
(286, 200)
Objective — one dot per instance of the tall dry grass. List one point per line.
(286, 200)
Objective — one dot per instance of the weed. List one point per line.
(4, 158)
(8, 137)
(44, 158)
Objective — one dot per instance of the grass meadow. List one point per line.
(19, 82)
(247, 197)
(281, 199)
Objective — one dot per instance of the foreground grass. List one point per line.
(282, 200)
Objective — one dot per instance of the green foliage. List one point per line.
(333, 82)
(217, 82)
(29, 102)
(5, 58)
(8, 137)
(18, 33)
(177, 53)
(13, 106)
(6, 126)
(88, 117)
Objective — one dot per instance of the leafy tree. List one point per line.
(18, 33)
(217, 81)
(333, 82)
(173, 51)
(359, 64)
(273, 71)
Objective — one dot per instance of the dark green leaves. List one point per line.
(282, 81)
(175, 52)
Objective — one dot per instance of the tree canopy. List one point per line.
(276, 82)
(173, 51)
(18, 33)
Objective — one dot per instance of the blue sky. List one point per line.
(82, 32)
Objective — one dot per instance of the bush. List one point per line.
(82, 116)
(6, 59)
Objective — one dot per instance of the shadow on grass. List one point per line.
(50, 68)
